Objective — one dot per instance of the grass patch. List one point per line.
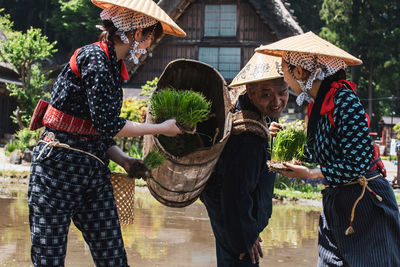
(290, 194)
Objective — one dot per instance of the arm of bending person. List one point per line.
(299, 171)
(167, 128)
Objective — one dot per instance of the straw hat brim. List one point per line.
(259, 68)
(149, 8)
(308, 43)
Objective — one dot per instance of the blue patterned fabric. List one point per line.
(376, 241)
(69, 185)
(344, 151)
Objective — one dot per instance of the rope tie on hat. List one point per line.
(364, 183)
(53, 144)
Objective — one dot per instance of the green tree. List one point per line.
(307, 14)
(70, 22)
(74, 22)
(369, 30)
(25, 51)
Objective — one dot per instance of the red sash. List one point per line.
(48, 116)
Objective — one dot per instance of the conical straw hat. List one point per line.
(308, 43)
(259, 68)
(149, 8)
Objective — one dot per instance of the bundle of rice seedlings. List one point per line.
(154, 160)
(187, 107)
(142, 169)
(288, 145)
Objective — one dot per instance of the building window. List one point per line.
(220, 20)
(225, 59)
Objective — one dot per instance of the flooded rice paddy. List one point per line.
(170, 237)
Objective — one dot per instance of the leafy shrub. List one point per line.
(134, 110)
(396, 128)
(187, 107)
(298, 184)
(24, 138)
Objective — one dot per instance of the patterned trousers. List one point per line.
(68, 185)
(376, 240)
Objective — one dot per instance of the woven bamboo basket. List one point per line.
(124, 195)
(179, 181)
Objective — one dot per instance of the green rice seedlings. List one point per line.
(142, 169)
(289, 144)
(154, 159)
(187, 107)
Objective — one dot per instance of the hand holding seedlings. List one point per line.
(300, 171)
(169, 128)
(274, 128)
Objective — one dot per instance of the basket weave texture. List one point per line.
(124, 195)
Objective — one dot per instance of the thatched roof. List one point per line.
(275, 14)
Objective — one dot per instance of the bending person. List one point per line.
(238, 195)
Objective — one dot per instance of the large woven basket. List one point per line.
(124, 195)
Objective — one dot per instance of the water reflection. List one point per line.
(163, 236)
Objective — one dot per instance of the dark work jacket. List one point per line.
(238, 195)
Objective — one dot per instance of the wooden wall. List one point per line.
(7, 106)
(251, 33)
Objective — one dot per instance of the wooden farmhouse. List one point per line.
(222, 33)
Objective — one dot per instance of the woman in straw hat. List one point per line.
(69, 177)
(360, 222)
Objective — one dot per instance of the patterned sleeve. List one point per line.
(354, 147)
(104, 100)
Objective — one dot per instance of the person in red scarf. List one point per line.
(360, 221)
(70, 179)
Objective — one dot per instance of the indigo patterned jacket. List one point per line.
(343, 150)
(97, 96)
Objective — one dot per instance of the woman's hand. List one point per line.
(274, 128)
(300, 171)
(169, 128)
(136, 168)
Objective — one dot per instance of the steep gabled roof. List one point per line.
(272, 12)
(275, 14)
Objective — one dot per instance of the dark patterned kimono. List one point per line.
(68, 185)
(340, 143)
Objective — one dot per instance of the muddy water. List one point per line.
(163, 236)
